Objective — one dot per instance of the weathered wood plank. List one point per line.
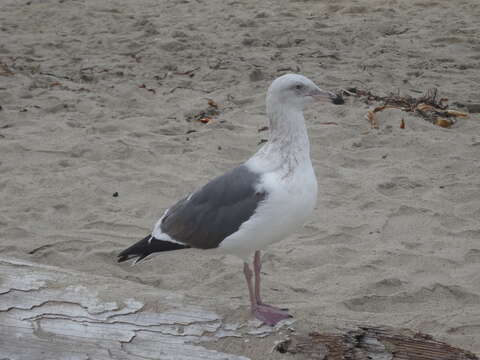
(372, 343)
(52, 313)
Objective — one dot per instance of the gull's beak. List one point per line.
(327, 96)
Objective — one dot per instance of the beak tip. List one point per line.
(337, 99)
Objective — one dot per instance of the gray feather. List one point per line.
(215, 211)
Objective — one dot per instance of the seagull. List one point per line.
(260, 202)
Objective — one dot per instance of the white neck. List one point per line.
(288, 134)
(288, 147)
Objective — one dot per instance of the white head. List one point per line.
(297, 91)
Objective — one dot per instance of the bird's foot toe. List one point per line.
(270, 315)
(273, 307)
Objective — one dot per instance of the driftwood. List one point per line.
(374, 344)
(49, 313)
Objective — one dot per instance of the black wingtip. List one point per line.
(147, 246)
(125, 255)
(138, 250)
(122, 258)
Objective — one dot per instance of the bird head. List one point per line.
(298, 91)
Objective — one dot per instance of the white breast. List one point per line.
(292, 196)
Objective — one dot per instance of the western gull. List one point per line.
(260, 202)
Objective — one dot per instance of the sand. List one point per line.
(100, 97)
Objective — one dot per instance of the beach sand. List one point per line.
(101, 98)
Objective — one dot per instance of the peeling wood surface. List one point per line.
(49, 313)
(374, 344)
(52, 313)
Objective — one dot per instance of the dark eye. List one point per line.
(298, 87)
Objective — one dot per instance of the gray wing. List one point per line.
(215, 211)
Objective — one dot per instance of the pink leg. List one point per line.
(257, 266)
(268, 314)
(248, 276)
